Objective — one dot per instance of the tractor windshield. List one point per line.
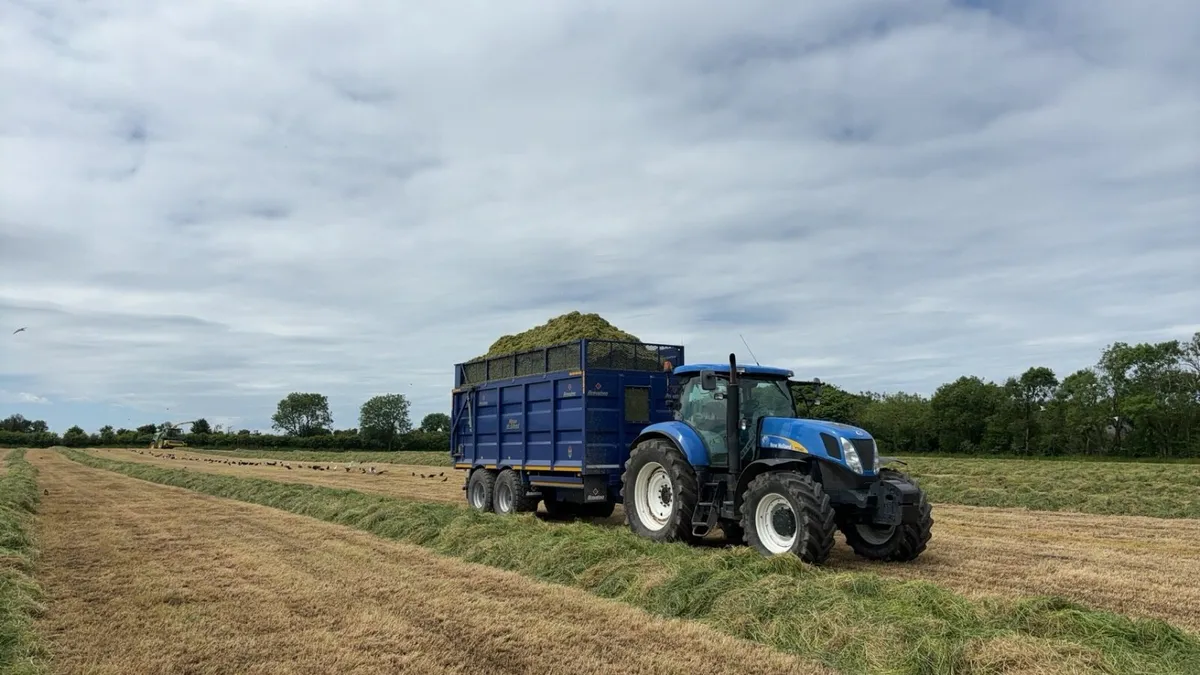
(766, 398)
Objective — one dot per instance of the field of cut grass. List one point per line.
(976, 550)
(1161, 490)
(146, 578)
(20, 597)
(855, 621)
(417, 457)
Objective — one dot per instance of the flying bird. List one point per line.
(19, 330)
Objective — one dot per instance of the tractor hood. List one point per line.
(805, 436)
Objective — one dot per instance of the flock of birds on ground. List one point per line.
(286, 465)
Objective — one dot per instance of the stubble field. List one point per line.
(202, 583)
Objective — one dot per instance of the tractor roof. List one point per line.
(723, 368)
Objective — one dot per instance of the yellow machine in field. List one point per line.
(167, 436)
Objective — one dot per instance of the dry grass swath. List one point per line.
(1144, 567)
(144, 578)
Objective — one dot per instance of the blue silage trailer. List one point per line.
(560, 420)
(686, 448)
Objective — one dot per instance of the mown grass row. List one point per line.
(1104, 488)
(1162, 490)
(854, 621)
(20, 651)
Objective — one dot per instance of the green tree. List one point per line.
(148, 429)
(107, 434)
(836, 405)
(75, 437)
(900, 422)
(384, 418)
(436, 423)
(201, 426)
(16, 423)
(39, 427)
(303, 414)
(1029, 393)
(965, 414)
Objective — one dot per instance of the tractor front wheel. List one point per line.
(659, 491)
(892, 543)
(788, 512)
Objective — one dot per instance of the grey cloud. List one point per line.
(888, 195)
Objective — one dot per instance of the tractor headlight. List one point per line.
(851, 456)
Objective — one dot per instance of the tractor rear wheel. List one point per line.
(659, 491)
(509, 495)
(481, 488)
(788, 512)
(892, 543)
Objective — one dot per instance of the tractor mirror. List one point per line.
(708, 380)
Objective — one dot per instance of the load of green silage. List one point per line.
(564, 328)
(569, 328)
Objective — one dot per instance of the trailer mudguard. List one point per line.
(683, 436)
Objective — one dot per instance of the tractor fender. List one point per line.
(682, 435)
(756, 468)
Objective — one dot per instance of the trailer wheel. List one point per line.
(481, 487)
(510, 496)
(892, 543)
(659, 492)
(788, 512)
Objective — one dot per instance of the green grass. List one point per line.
(1164, 490)
(1106, 488)
(855, 621)
(420, 457)
(20, 651)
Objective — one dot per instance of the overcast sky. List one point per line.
(207, 205)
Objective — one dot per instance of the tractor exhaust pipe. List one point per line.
(733, 419)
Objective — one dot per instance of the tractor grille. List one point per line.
(865, 447)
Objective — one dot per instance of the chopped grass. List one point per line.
(1104, 488)
(1163, 490)
(20, 651)
(855, 621)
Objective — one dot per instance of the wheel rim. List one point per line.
(477, 495)
(876, 535)
(775, 521)
(503, 498)
(653, 496)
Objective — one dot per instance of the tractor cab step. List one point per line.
(708, 509)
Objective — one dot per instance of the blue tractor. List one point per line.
(687, 449)
(737, 456)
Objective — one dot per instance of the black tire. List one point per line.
(509, 494)
(810, 517)
(905, 542)
(481, 488)
(678, 494)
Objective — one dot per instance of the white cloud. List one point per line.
(206, 206)
(22, 397)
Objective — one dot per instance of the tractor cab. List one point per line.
(704, 404)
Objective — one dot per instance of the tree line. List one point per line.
(1139, 400)
(303, 420)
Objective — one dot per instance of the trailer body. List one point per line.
(563, 417)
